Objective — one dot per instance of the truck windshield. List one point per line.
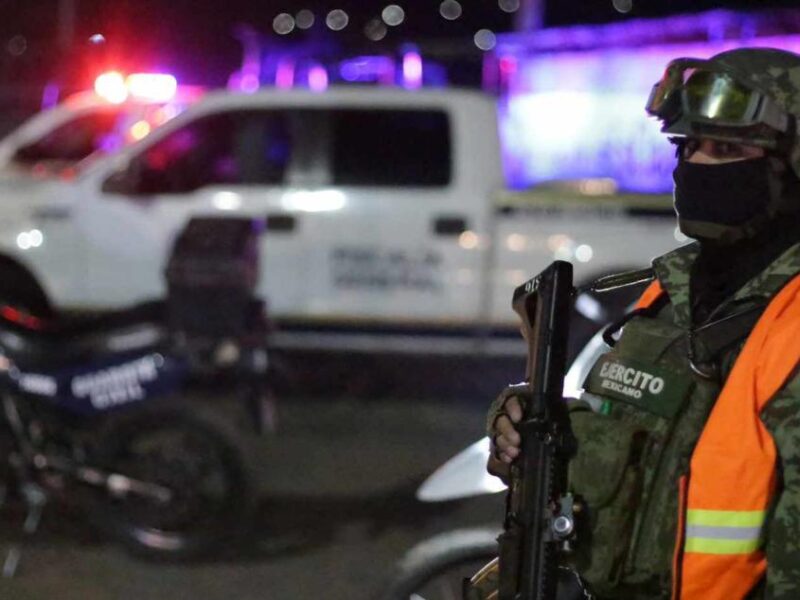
(72, 141)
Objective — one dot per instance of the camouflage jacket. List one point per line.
(781, 416)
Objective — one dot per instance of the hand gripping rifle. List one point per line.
(539, 521)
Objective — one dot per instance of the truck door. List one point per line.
(230, 162)
(389, 240)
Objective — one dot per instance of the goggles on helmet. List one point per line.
(696, 98)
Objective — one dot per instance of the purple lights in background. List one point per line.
(284, 74)
(50, 95)
(368, 68)
(579, 112)
(412, 70)
(249, 83)
(317, 78)
(317, 64)
(711, 26)
(246, 79)
(572, 135)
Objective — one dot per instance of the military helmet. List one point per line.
(749, 96)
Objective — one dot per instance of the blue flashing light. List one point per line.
(367, 69)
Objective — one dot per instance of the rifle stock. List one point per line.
(539, 520)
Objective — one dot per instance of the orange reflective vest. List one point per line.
(732, 476)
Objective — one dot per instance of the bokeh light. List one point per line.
(508, 6)
(140, 129)
(485, 39)
(375, 30)
(393, 15)
(337, 19)
(17, 45)
(283, 24)
(623, 6)
(304, 19)
(450, 10)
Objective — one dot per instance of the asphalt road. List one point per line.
(337, 510)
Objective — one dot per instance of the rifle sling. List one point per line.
(708, 341)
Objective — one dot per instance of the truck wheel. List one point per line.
(20, 290)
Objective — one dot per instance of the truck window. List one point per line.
(237, 147)
(391, 148)
(72, 141)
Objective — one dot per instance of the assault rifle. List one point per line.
(539, 521)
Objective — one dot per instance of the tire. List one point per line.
(199, 460)
(19, 289)
(435, 568)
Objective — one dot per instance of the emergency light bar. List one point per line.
(150, 87)
(111, 86)
(157, 87)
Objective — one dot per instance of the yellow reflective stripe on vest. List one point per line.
(723, 531)
(708, 546)
(726, 518)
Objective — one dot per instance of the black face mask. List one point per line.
(728, 194)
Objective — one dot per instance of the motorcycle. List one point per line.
(435, 568)
(98, 412)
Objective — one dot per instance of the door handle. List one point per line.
(52, 213)
(449, 225)
(280, 222)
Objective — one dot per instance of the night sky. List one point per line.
(194, 38)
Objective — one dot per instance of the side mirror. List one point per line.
(124, 180)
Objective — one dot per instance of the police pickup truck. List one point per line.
(386, 224)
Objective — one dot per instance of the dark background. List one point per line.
(193, 38)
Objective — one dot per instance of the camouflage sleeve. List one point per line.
(498, 404)
(782, 418)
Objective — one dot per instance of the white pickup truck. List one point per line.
(384, 209)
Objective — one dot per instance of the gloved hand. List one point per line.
(504, 413)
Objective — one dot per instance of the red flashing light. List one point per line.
(114, 87)
(68, 174)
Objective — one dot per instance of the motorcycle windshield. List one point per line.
(465, 474)
(462, 476)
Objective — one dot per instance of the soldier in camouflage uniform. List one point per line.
(652, 397)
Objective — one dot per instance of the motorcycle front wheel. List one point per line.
(435, 568)
(198, 466)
